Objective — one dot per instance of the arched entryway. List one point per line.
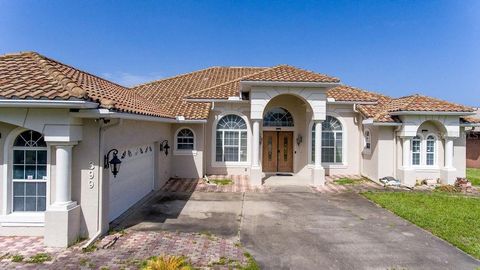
(277, 150)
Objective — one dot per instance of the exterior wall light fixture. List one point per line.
(299, 139)
(114, 163)
(164, 147)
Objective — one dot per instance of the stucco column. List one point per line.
(448, 153)
(256, 169)
(256, 143)
(318, 173)
(62, 218)
(63, 177)
(406, 152)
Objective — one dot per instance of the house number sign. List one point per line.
(91, 174)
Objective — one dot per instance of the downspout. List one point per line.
(359, 119)
(395, 153)
(101, 132)
(204, 155)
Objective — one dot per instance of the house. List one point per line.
(473, 145)
(79, 150)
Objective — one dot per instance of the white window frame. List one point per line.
(435, 151)
(344, 163)
(216, 163)
(8, 218)
(419, 152)
(180, 152)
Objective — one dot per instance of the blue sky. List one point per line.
(394, 47)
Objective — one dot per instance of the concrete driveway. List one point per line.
(304, 230)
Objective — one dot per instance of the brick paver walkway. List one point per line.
(241, 183)
(123, 251)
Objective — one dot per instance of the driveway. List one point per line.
(298, 229)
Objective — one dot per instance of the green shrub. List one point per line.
(167, 263)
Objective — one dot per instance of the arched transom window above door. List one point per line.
(278, 117)
(231, 139)
(29, 173)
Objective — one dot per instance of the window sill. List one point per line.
(185, 152)
(26, 219)
(230, 164)
(331, 165)
(426, 169)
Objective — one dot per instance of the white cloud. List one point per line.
(129, 79)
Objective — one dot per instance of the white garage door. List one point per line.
(134, 181)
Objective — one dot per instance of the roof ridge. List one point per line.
(174, 77)
(58, 76)
(234, 80)
(188, 73)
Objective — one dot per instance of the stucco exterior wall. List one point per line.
(370, 159)
(220, 109)
(188, 164)
(460, 153)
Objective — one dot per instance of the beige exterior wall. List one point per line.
(189, 164)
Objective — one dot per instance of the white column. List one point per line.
(256, 170)
(63, 175)
(318, 173)
(256, 143)
(318, 144)
(406, 152)
(448, 153)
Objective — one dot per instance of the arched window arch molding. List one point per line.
(185, 151)
(345, 134)
(30, 218)
(214, 137)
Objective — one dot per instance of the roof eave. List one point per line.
(246, 85)
(371, 121)
(43, 103)
(106, 113)
(431, 113)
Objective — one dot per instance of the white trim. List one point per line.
(350, 102)
(41, 103)
(344, 163)
(216, 100)
(185, 152)
(214, 162)
(370, 121)
(430, 113)
(288, 84)
(105, 113)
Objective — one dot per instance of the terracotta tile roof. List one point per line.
(282, 73)
(349, 93)
(470, 120)
(30, 75)
(172, 91)
(383, 111)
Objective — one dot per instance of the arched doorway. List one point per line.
(277, 150)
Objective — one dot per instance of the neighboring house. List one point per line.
(58, 126)
(473, 145)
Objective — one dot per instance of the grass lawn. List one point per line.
(222, 182)
(455, 218)
(474, 176)
(348, 181)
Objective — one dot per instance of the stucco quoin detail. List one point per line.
(315, 97)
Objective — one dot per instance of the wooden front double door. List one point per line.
(277, 155)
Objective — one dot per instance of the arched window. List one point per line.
(231, 139)
(332, 141)
(431, 150)
(278, 117)
(416, 148)
(185, 139)
(29, 175)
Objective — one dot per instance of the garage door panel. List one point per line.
(134, 181)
